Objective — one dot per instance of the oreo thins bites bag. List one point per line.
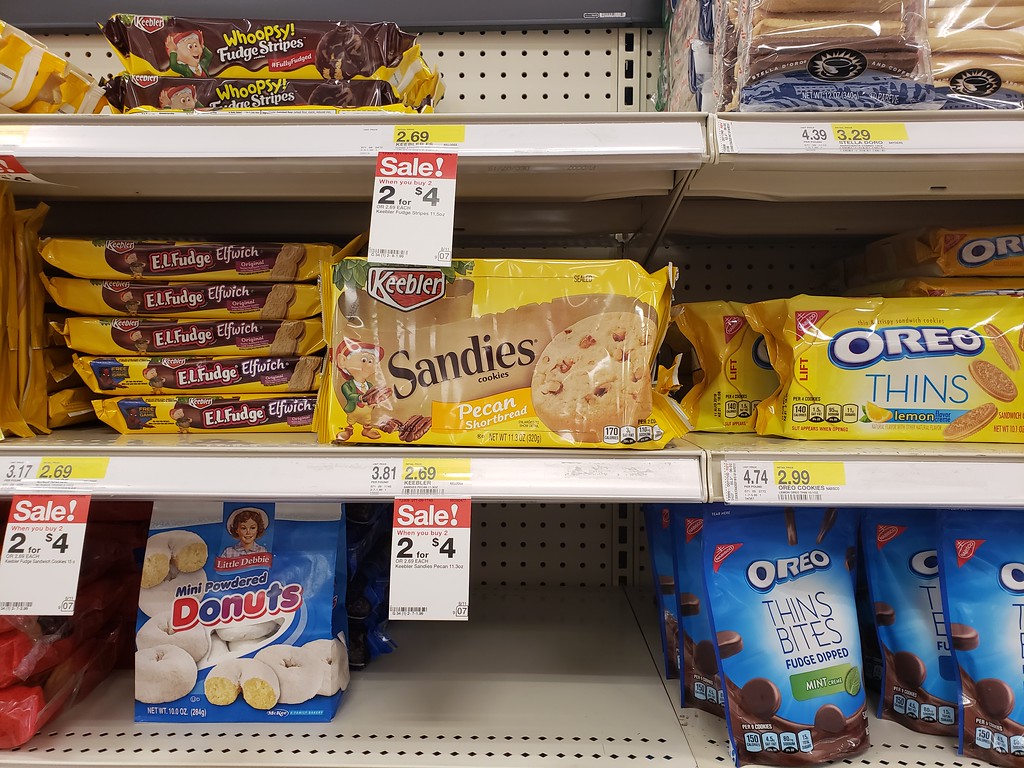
(241, 614)
(658, 522)
(700, 684)
(982, 575)
(780, 589)
(919, 674)
(496, 352)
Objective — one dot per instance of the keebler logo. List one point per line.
(124, 325)
(694, 525)
(145, 81)
(149, 24)
(405, 289)
(732, 324)
(200, 402)
(722, 551)
(966, 549)
(117, 285)
(886, 533)
(807, 321)
(121, 246)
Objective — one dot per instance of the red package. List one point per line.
(20, 708)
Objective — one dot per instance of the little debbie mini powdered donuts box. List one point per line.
(238, 614)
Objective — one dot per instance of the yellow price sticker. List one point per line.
(12, 136)
(790, 473)
(435, 470)
(869, 131)
(430, 134)
(72, 468)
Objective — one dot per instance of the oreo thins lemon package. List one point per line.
(659, 541)
(700, 685)
(919, 674)
(780, 587)
(982, 574)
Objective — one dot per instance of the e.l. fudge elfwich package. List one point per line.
(242, 614)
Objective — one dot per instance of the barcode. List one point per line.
(411, 610)
(799, 497)
(424, 490)
(378, 252)
(8, 605)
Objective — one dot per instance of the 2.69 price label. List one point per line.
(42, 555)
(430, 559)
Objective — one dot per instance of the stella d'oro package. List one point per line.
(496, 352)
(940, 369)
(737, 372)
(242, 614)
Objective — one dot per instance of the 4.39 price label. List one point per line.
(42, 555)
(430, 559)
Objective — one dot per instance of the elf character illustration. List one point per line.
(182, 421)
(183, 97)
(156, 381)
(362, 392)
(131, 304)
(135, 264)
(189, 56)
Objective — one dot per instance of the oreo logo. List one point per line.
(837, 65)
(975, 82)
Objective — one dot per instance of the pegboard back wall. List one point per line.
(551, 544)
(544, 71)
(755, 270)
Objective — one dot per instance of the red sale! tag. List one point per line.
(413, 214)
(430, 559)
(42, 554)
(12, 170)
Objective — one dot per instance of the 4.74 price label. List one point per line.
(773, 482)
(430, 559)
(42, 555)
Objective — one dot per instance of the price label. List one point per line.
(861, 136)
(783, 482)
(42, 555)
(413, 214)
(430, 134)
(435, 477)
(54, 473)
(430, 559)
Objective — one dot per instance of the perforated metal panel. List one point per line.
(560, 70)
(552, 545)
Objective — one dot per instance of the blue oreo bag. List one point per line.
(658, 523)
(700, 686)
(242, 613)
(982, 575)
(919, 688)
(780, 587)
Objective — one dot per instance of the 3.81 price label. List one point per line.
(42, 555)
(430, 559)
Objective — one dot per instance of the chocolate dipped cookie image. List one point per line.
(594, 375)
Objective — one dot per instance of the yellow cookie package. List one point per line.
(938, 369)
(735, 373)
(208, 414)
(968, 252)
(943, 286)
(496, 352)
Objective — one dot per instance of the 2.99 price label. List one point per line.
(771, 482)
(42, 555)
(430, 559)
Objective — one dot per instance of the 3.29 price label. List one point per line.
(430, 559)
(42, 555)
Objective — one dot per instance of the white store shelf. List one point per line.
(535, 678)
(294, 466)
(887, 473)
(945, 155)
(314, 157)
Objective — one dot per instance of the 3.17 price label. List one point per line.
(413, 214)
(782, 482)
(42, 555)
(430, 559)
(53, 473)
